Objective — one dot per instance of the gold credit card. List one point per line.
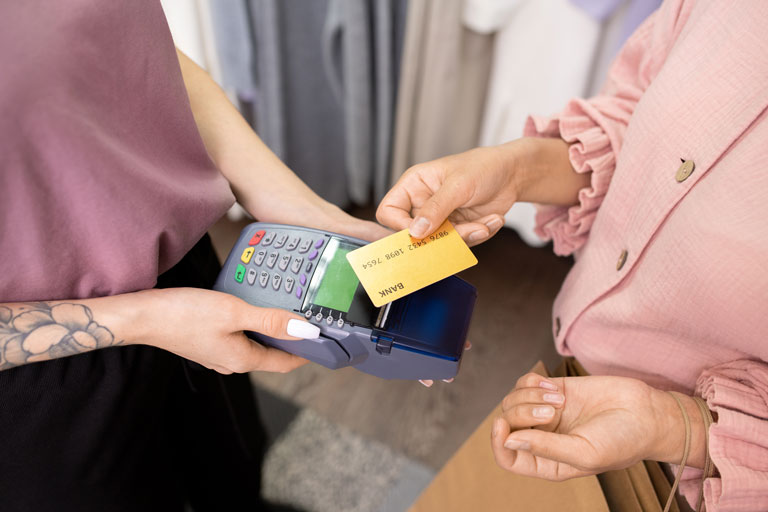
(397, 265)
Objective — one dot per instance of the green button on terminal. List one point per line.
(239, 273)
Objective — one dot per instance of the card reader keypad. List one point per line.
(281, 269)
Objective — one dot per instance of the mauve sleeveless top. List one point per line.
(104, 179)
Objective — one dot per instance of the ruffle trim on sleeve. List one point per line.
(738, 441)
(590, 151)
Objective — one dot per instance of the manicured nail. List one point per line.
(419, 227)
(494, 224)
(496, 427)
(543, 412)
(554, 398)
(428, 383)
(448, 380)
(302, 329)
(468, 345)
(478, 235)
(514, 444)
(547, 385)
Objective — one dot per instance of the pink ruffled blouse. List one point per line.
(670, 283)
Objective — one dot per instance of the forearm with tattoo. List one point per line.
(40, 331)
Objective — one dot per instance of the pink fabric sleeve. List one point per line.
(738, 441)
(595, 127)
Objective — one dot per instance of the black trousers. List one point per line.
(130, 428)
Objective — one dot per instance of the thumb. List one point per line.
(572, 450)
(452, 194)
(275, 323)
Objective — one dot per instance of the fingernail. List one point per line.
(419, 227)
(554, 398)
(494, 224)
(496, 427)
(468, 345)
(428, 383)
(547, 385)
(514, 444)
(543, 412)
(302, 329)
(448, 380)
(477, 235)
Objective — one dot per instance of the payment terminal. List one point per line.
(420, 336)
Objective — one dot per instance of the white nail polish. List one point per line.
(302, 329)
(419, 227)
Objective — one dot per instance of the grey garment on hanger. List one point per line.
(318, 81)
(361, 50)
(234, 45)
(267, 104)
(290, 104)
(443, 83)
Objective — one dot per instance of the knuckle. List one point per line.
(271, 323)
(230, 309)
(527, 380)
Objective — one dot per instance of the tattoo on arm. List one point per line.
(39, 332)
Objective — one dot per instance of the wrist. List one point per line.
(669, 429)
(127, 316)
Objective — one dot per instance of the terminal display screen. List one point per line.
(336, 287)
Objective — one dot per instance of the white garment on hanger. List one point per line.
(543, 52)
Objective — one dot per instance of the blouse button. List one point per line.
(685, 170)
(622, 259)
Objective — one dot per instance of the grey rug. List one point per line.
(317, 466)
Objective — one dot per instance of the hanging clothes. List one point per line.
(317, 81)
(443, 81)
(542, 56)
(618, 19)
(361, 54)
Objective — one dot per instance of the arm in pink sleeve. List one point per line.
(737, 392)
(595, 127)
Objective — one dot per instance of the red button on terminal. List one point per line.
(256, 238)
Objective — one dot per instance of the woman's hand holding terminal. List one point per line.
(204, 326)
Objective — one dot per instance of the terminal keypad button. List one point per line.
(281, 241)
(247, 254)
(293, 243)
(239, 273)
(268, 238)
(259, 258)
(256, 238)
(263, 278)
(289, 282)
(305, 245)
(285, 259)
(296, 265)
(276, 279)
(271, 259)
(251, 275)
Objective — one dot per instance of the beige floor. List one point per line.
(510, 332)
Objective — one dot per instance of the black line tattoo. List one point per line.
(39, 332)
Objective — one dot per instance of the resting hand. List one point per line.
(569, 427)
